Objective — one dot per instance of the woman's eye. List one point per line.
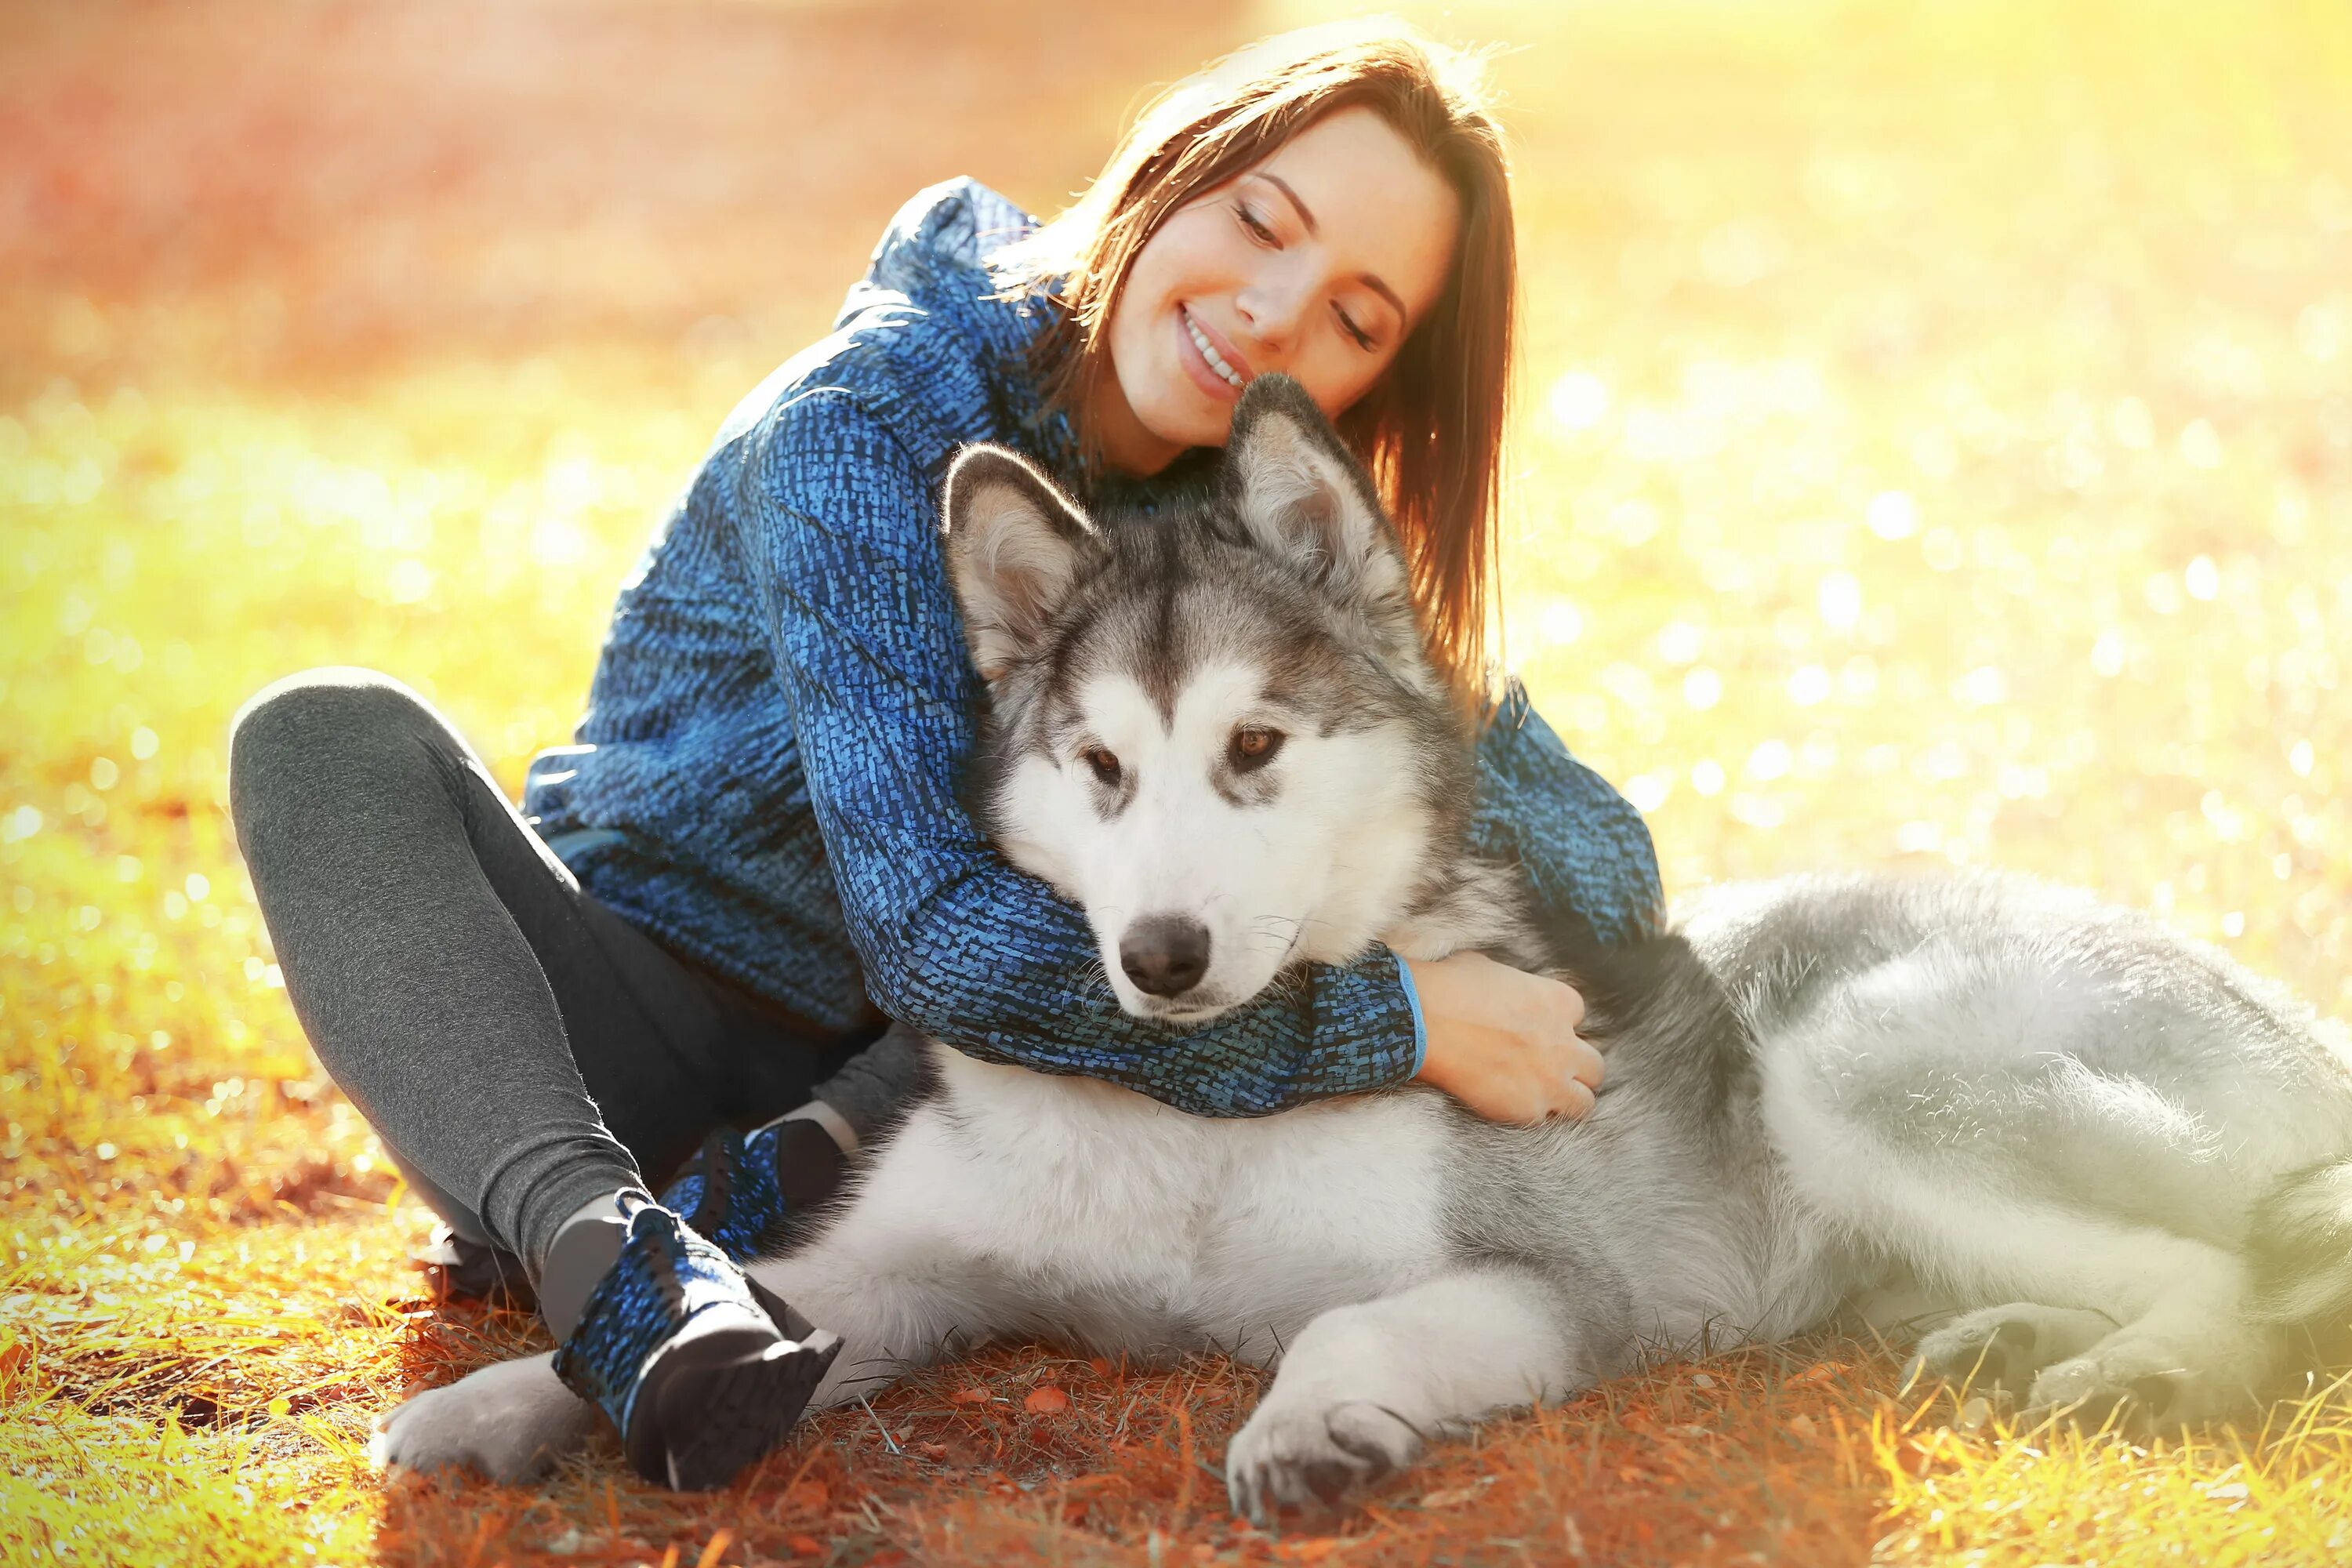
(1363, 339)
(1258, 230)
(1105, 765)
(1252, 748)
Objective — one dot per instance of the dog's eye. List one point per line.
(1252, 747)
(1106, 766)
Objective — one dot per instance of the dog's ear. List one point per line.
(1302, 495)
(1015, 543)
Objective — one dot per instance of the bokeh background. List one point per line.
(1935, 448)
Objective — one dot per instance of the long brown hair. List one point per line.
(1431, 429)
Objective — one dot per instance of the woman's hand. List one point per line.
(1504, 1041)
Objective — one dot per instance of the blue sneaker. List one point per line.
(702, 1370)
(750, 1196)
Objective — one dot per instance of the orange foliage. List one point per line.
(1939, 451)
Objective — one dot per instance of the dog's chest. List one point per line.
(1134, 1219)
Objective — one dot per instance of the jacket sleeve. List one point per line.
(836, 520)
(1585, 852)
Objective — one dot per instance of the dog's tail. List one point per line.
(2300, 1248)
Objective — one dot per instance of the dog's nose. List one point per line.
(1165, 955)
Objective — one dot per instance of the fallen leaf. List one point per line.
(810, 1496)
(968, 1396)
(806, 1546)
(1101, 1365)
(1917, 1456)
(1045, 1400)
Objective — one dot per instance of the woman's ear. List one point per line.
(1300, 494)
(1014, 545)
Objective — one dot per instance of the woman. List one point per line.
(759, 830)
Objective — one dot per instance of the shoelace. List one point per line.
(732, 1194)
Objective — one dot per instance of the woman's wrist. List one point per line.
(1411, 984)
(1503, 1042)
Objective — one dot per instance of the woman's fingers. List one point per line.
(1585, 1065)
(1568, 1087)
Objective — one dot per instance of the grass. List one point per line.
(1937, 449)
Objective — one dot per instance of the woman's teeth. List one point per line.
(1201, 342)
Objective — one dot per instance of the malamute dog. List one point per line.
(2119, 1165)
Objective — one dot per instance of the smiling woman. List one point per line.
(1333, 204)
(1248, 279)
(757, 855)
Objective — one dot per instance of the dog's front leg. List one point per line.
(512, 1421)
(515, 1420)
(900, 1274)
(893, 1275)
(895, 1313)
(1365, 1387)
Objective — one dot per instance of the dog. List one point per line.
(2111, 1166)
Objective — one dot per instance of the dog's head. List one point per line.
(1217, 732)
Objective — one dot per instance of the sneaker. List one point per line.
(702, 1370)
(458, 1269)
(752, 1196)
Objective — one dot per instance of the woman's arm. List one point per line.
(1502, 1042)
(1585, 852)
(835, 517)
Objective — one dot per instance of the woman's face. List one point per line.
(1317, 262)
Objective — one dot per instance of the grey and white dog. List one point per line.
(2117, 1165)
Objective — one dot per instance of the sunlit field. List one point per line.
(1935, 449)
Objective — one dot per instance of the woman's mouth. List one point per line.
(1207, 364)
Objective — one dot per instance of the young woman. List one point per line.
(759, 829)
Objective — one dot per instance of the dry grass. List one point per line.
(1938, 447)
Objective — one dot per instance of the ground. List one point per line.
(1935, 448)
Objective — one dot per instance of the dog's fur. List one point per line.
(2119, 1164)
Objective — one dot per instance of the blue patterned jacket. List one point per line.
(766, 777)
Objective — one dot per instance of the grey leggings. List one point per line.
(520, 1048)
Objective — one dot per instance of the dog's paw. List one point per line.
(513, 1422)
(2095, 1392)
(1314, 1454)
(2000, 1349)
(2143, 1385)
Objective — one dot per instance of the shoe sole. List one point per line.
(729, 1397)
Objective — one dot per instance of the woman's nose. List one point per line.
(1270, 315)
